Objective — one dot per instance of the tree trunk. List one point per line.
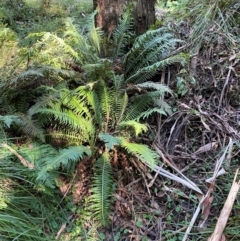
(109, 12)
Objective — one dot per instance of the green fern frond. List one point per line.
(138, 104)
(8, 47)
(73, 154)
(53, 51)
(52, 96)
(8, 120)
(95, 34)
(143, 152)
(151, 111)
(163, 89)
(105, 97)
(102, 189)
(122, 34)
(29, 74)
(120, 106)
(70, 119)
(109, 140)
(145, 46)
(163, 105)
(31, 127)
(99, 69)
(147, 72)
(86, 93)
(82, 42)
(136, 126)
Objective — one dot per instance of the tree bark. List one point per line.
(110, 11)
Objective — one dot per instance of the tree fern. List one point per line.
(102, 189)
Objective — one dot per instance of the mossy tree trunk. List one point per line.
(109, 12)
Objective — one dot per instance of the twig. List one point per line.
(25, 162)
(222, 220)
(206, 200)
(224, 87)
(63, 227)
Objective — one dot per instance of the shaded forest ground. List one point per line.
(203, 128)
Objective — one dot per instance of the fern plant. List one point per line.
(96, 95)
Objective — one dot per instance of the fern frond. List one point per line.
(135, 125)
(29, 74)
(52, 51)
(95, 34)
(86, 93)
(73, 153)
(105, 97)
(147, 72)
(121, 105)
(82, 42)
(151, 111)
(122, 34)
(70, 119)
(31, 127)
(156, 86)
(143, 152)
(137, 105)
(52, 96)
(9, 119)
(109, 140)
(150, 52)
(102, 189)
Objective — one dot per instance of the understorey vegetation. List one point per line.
(115, 137)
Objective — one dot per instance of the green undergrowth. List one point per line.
(29, 16)
(27, 213)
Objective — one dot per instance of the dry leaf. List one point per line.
(205, 125)
(232, 57)
(205, 148)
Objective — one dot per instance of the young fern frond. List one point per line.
(105, 95)
(151, 111)
(121, 105)
(102, 189)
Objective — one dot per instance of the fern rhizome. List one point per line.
(83, 94)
